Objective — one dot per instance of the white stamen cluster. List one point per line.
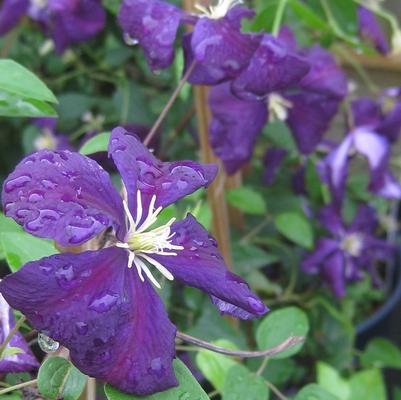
(278, 107)
(218, 10)
(141, 241)
(39, 3)
(353, 244)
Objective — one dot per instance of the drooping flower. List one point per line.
(350, 253)
(376, 149)
(101, 304)
(306, 101)
(66, 21)
(21, 361)
(216, 43)
(370, 29)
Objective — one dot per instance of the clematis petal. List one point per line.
(114, 325)
(62, 196)
(330, 217)
(364, 221)
(333, 272)
(141, 170)
(11, 11)
(325, 247)
(309, 118)
(234, 127)
(82, 23)
(370, 28)
(154, 25)
(272, 162)
(272, 68)
(365, 112)
(334, 169)
(201, 265)
(325, 76)
(386, 185)
(390, 125)
(219, 46)
(20, 362)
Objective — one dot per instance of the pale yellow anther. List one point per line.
(278, 107)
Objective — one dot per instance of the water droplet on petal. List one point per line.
(15, 183)
(47, 344)
(103, 303)
(130, 41)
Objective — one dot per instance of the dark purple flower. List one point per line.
(351, 251)
(66, 21)
(11, 11)
(22, 361)
(382, 116)
(370, 29)
(308, 106)
(216, 43)
(376, 149)
(101, 304)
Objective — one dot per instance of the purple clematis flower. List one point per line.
(216, 43)
(370, 29)
(66, 21)
(19, 362)
(382, 116)
(376, 149)
(101, 304)
(350, 253)
(307, 99)
(272, 161)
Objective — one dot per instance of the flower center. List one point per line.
(219, 10)
(353, 244)
(142, 241)
(45, 141)
(278, 107)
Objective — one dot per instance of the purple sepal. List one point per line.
(272, 161)
(62, 196)
(201, 265)
(220, 48)
(370, 28)
(141, 170)
(20, 362)
(11, 12)
(114, 325)
(154, 25)
(272, 68)
(234, 127)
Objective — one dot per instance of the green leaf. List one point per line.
(381, 353)
(368, 385)
(188, 389)
(215, 366)
(14, 106)
(396, 393)
(314, 392)
(278, 326)
(247, 257)
(308, 16)
(295, 227)
(58, 378)
(112, 5)
(20, 248)
(7, 225)
(241, 383)
(247, 200)
(96, 144)
(331, 380)
(345, 14)
(17, 80)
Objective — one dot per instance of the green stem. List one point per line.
(11, 334)
(262, 367)
(279, 17)
(276, 391)
(19, 386)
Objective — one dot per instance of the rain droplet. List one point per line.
(103, 303)
(47, 344)
(15, 183)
